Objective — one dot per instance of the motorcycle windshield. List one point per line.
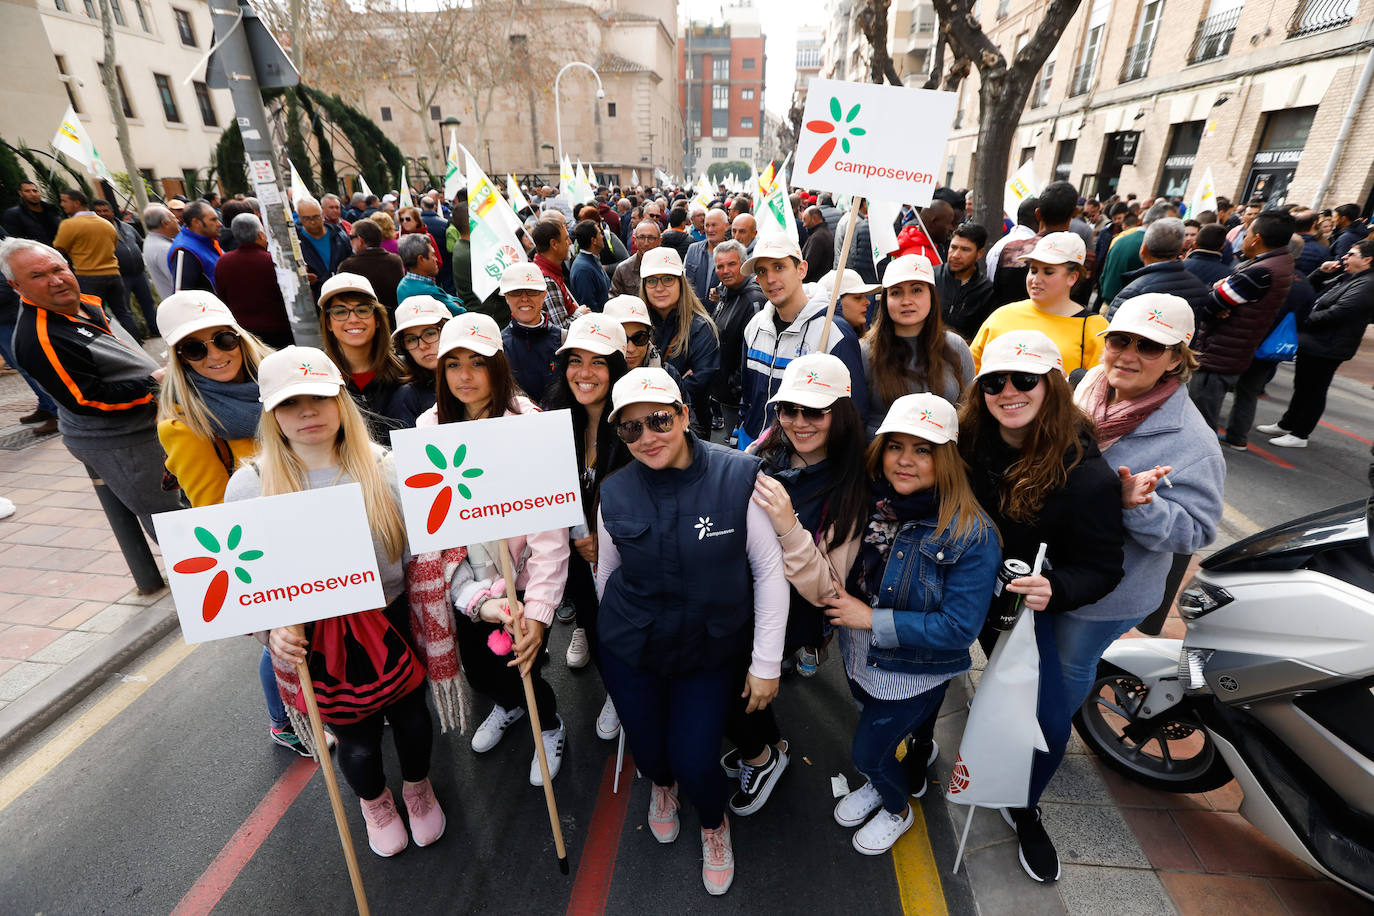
(1290, 545)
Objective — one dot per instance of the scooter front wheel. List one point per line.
(1171, 752)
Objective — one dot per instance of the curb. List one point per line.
(45, 703)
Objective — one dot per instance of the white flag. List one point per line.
(453, 170)
(1021, 186)
(405, 200)
(634, 178)
(71, 138)
(775, 211)
(493, 223)
(362, 186)
(517, 197)
(566, 180)
(882, 215)
(1205, 197)
(298, 188)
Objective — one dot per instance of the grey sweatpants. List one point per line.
(133, 472)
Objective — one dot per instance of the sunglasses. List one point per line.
(659, 280)
(428, 335)
(195, 350)
(1119, 342)
(809, 414)
(639, 338)
(660, 421)
(993, 383)
(341, 312)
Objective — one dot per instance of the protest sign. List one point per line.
(493, 224)
(483, 480)
(1022, 185)
(241, 567)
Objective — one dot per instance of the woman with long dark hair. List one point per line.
(357, 339)
(682, 330)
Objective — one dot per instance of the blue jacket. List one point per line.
(682, 598)
(588, 281)
(338, 250)
(700, 264)
(702, 358)
(1207, 266)
(1163, 277)
(1314, 253)
(531, 353)
(933, 598)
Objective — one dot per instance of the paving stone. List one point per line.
(1001, 886)
(1092, 891)
(1228, 844)
(66, 648)
(1161, 839)
(19, 642)
(1092, 835)
(1077, 782)
(111, 619)
(17, 681)
(1212, 895)
(1318, 898)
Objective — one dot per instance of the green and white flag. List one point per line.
(517, 197)
(453, 171)
(405, 200)
(634, 178)
(72, 139)
(493, 224)
(775, 212)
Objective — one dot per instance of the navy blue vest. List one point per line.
(682, 597)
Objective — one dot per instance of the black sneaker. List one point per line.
(729, 761)
(756, 783)
(917, 761)
(1037, 853)
(566, 613)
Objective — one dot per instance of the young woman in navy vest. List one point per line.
(672, 639)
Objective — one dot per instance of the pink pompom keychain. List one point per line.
(500, 642)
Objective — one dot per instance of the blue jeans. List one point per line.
(884, 724)
(45, 401)
(276, 709)
(1081, 644)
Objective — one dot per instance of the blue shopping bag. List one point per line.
(1282, 343)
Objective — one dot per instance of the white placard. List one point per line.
(872, 140)
(262, 171)
(246, 566)
(483, 480)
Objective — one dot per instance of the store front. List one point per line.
(1178, 163)
(1117, 151)
(1276, 161)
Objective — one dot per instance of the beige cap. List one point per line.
(775, 246)
(1020, 351)
(926, 416)
(418, 311)
(644, 385)
(1058, 248)
(850, 282)
(189, 311)
(627, 310)
(522, 275)
(1159, 317)
(345, 283)
(296, 371)
(813, 380)
(471, 331)
(908, 267)
(597, 333)
(661, 260)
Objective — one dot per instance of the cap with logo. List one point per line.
(813, 380)
(345, 283)
(926, 416)
(471, 331)
(189, 311)
(661, 260)
(296, 371)
(644, 386)
(522, 275)
(775, 246)
(1020, 351)
(1159, 317)
(908, 267)
(419, 311)
(596, 333)
(850, 283)
(627, 310)
(1058, 248)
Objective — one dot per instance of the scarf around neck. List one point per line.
(1119, 418)
(233, 406)
(890, 512)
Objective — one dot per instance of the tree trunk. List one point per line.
(107, 77)
(997, 122)
(873, 21)
(297, 41)
(938, 64)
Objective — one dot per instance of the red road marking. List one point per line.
(596, 865)
(205, 894)
(1345, 432)
(1270, 456)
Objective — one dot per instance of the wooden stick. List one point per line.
(508, 572)
(332, 784)
(839, 269)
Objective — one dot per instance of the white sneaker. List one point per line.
(6, 507)
(855, 807)
(877, 836)
(1288, 440)
(579, 653)
(1271, 429)
(608, 721)
(663, 819)
(489, 733)
(553, 750)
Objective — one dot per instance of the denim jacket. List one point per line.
(932, 599)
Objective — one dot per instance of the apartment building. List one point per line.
(720, 77)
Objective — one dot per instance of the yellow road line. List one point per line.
(918, 877)
(22, 777)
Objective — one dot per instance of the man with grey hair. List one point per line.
(417, 254)
(625, 280)
(1123, 256)
(162, 227)
(332, 205)
(322, 246)
(738, 298)
(1161, 270)
(246, 280)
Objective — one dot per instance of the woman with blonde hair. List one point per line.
(388, 226)
(682, 330)
(357, 339)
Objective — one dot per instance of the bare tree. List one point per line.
(109, 78)
(872, 19)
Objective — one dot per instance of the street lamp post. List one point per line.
(557, 107)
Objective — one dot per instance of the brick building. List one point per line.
(1141, 98)
(720, 80)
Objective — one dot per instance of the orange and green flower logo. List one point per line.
(837, 125)
(218, 589)
(928, 417)
(438, 510)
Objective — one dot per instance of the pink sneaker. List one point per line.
(426, 817)
(663, 822)
(718, 859)
(385, 832)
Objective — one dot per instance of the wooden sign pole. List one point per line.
(839, 271)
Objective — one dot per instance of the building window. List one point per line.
(1063, 163)
(206, 103)
(61, 6)
(746, 123)
(720, 68)
(435, 114)
(1214, 33)
(696, 152)
(148, 179)
(386, 113)
(1040, 95)
(90, 8)
(1027, 154)
(1179, 161)
(123, 93)
(720, 96)
(67, 82)
(746, 95)
(746, 153)
(1003, 8)
(184, 29)
(610, 109)
(719, 152)
(117, 12)
(747, 63)
(190, 178)
(169, 102)
(1137, 63)
(142, 15)
(1320, 15)
(1280, 149)
(694, 127)
(720, 132)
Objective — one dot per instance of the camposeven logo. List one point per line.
(218, 589)
(833, 127)
(703, 528)
(443, 501)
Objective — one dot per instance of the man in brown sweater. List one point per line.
(383, 269)
(89, 244)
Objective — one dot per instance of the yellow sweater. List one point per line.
(198, 467)
(1076, 338)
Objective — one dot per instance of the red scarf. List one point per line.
(1119, 418)
(555, 273)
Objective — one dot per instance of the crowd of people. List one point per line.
(864, 475)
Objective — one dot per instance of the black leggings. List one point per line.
(580, 592)
(751, 732)
(487, 672)
(360, 744)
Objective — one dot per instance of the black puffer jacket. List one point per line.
(732, 314)
(1344, 307)
(1163, 277)
(965, 306)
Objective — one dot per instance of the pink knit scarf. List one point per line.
(1118, 418)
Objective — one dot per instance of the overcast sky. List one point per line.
(780, 19)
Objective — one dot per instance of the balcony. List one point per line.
(1319, 15)
(1213, 38)
(1137, 62)
(1082, 78)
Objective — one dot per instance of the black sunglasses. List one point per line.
(629, 431)
(639, 338)
(195, 350)
(993, 383)
(1119, 342)
(809, 414)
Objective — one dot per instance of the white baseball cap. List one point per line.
(1020, 351)
(345, 283)
(388, 197)
(644, 386)
(1058, 248)
(908, 267)
(813, 380)
(850, 282)
(522, 275)
(417, 311)
(926, 416)
(597, 333)
(661, 260)
(473, 331)
(1159, 317)
(189, 311)
(296, 371)
(627, 310)
(775, 246)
